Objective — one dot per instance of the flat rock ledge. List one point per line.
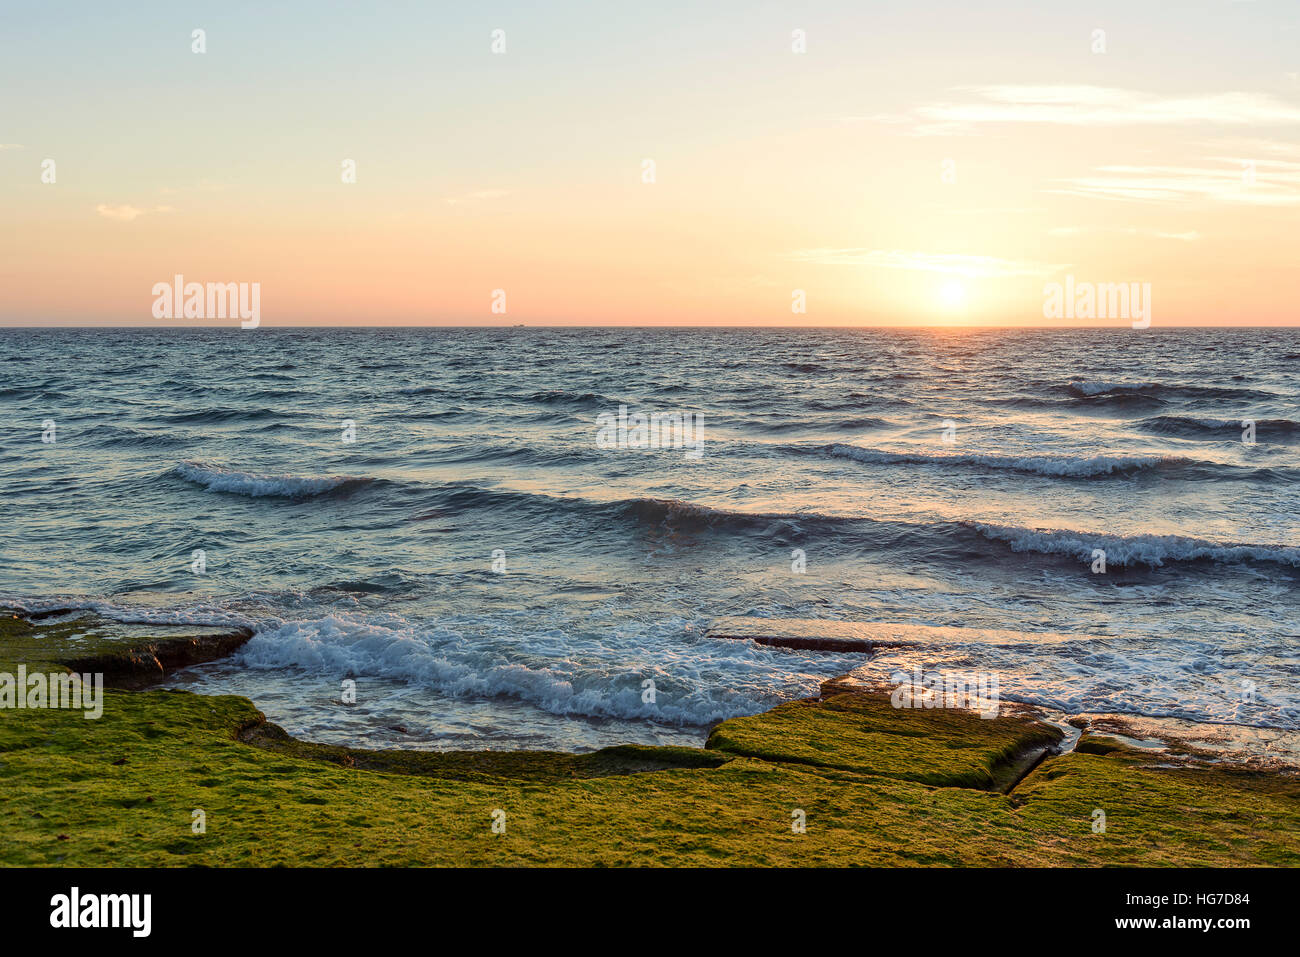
(816, 634)
(126, 660)
(1174, 739)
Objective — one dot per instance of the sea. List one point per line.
(442, 524)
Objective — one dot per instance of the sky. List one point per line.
(820, 163)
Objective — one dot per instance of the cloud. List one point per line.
(11, 146)
(1240, 147)
(1081, 105)
(1246, 182)
(1187, 237)
(983, 210)
(972, 267)
(124, 213)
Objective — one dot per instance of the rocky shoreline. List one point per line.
(845, 778)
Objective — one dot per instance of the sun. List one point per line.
(952, 294)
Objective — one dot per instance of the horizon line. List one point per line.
(522, 325)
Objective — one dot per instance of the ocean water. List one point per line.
(946, 478)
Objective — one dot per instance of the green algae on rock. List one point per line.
(865, 734)
(876, 786)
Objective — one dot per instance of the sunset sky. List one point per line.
(1173, 158)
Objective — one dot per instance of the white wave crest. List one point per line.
(1151, 550)
(457, 665)
(219, 479)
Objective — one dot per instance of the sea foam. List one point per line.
(458, 664)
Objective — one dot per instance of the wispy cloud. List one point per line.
(125, 213)
(121, 213)
(1079, 105)
(11, 146)
(1251, 147)
(1252, 183)
(972, 267)
(1188, 237)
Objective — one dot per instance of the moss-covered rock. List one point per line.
(125, 789)
(865, 734)
(127, 655)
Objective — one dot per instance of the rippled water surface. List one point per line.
(374, 559)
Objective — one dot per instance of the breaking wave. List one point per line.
(218, 479)
(1151, 550)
